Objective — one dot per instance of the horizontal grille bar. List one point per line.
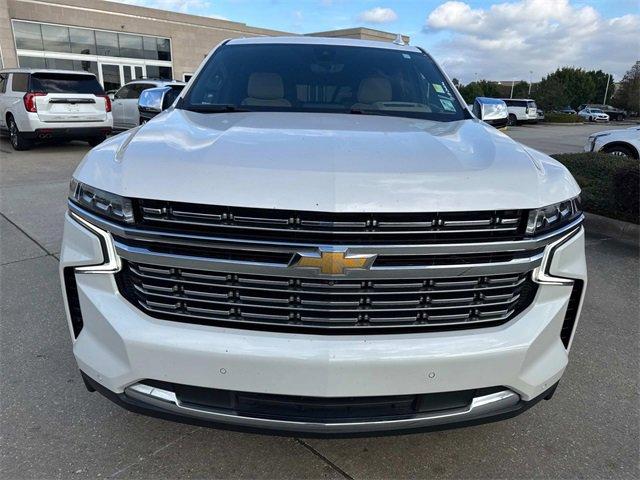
(331, 228)
(247, 301)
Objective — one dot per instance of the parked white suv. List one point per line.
(521, 110)
(52, 104)
(125, 101)
(319, 237)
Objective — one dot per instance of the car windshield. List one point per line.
(65, 83)
(596, 110)
(323, 78)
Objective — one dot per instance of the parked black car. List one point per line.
(613, 112)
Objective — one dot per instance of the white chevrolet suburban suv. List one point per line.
(37, 105)
(521, 110)
(319, 238)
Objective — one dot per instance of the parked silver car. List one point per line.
(125, 101)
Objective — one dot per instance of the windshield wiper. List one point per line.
(375, 111)
(215, 108)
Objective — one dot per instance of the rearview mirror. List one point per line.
(491, 110)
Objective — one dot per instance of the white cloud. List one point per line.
(507, 40)
(378, 15)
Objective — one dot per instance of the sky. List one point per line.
(493, 39)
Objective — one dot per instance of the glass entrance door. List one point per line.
(132, 72)
(113, 75)
(110, 76)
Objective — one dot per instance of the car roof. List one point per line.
(45, 70)
(156, 80)
(302, 40)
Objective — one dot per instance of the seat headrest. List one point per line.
(265, 86)
(374, 89)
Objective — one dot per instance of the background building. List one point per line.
(121, 42)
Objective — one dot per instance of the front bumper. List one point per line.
(119, 346)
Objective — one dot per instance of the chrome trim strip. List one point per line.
(144, 255)
(541, 274)
(293, 247)
(168, 401)
(110, 264)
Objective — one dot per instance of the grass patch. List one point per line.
(556, 117)
(610, 184)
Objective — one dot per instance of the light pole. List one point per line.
(530, 74)
(606, 90)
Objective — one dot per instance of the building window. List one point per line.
(165, 73)
(59, 63)
(55, 39)
(82, 41)
(130, 46)
(107, 44)
(28, 35)
(31, 62)
(164, 49)
(150, 46)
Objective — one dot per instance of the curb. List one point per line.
(624, 231)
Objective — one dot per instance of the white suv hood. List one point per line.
(325, 162)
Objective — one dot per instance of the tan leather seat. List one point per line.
(265, 90)
(372, 90)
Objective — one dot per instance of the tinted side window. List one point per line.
(20, 82)
(509, 103)
(136, 89)
(3, 83)
(122, 93)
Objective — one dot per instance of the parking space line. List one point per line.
(25, 234)
(324, 459)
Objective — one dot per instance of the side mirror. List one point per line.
(491, 110)
(151, 101)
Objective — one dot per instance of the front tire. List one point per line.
(512, 120)
(16, 137)
(619, 151)
(591, 119)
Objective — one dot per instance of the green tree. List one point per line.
(628, 92)
(483, 88)
(570, 86)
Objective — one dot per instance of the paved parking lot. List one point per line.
(51, 427)
(559, 138)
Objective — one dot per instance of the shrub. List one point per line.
(557, 117)
(610, 184)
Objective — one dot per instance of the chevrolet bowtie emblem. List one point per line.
(332, 261)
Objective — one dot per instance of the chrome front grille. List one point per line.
(329, 305)
(228, 275)
(331, 228)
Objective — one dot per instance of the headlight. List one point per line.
(553, 216)
(103, 203)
